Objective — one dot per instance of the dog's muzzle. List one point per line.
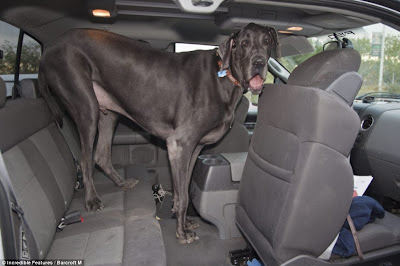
(257, 80)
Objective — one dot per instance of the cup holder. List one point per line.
(207, 156)
(212, 161)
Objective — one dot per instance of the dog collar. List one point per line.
(226, 73)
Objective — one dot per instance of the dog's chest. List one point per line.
(217, 132)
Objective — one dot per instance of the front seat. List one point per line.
(297, 183)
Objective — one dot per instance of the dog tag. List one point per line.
(221, 73)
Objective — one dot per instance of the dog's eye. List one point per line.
(266, 41)
(245, 43)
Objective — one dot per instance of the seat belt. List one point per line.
(27, 244)
(79, 175)
(355, 237)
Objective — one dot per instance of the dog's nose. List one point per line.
(259, 62)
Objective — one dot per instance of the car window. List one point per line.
(30, 58)
(8, 44)
(379, 46)
(187, 47)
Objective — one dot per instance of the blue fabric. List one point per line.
(254, 262)
(363, 210)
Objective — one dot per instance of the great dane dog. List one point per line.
(186, 99)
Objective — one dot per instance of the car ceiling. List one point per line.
(163, 22)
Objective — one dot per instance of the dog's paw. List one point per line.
(127, 184)
(94, 205)
(187, 237)
(191, 224)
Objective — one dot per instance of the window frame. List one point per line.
(18, 53)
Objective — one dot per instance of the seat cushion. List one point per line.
(124, 232)
(381, 233)
(105, 239)
(137, 201)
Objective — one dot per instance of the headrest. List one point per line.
(241, 110)
(342, 84)
(3, 93)
(314, 68)
(28, 88)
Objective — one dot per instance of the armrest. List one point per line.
(237, 161)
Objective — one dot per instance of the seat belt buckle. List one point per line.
(72, 218)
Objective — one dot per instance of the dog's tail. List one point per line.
(49, 98)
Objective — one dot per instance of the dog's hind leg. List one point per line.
(102, 154)
(85, 116)
(85, 113)
(67, 75)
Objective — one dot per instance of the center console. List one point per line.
(214, 188)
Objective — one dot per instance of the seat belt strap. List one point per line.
(27, 243)
(79, 175)
(355, 237)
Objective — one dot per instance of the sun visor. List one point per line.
(295, 45)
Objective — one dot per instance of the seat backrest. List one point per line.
(28, 88)
(40, 166)
(334, 71)
(297, 183)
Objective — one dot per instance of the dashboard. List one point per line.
(376, 150)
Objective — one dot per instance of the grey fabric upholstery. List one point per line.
(236, 139)
(310, 71)
(296, 170)
(43, 174)
(344, 85)
(20, 119)
(32, 198)
(28, 88)
(334, 71)
(3, 92)
(380, 234)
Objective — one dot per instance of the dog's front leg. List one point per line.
(189, 223)
(180, 150)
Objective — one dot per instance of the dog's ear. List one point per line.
(276, 48)
(225, 50)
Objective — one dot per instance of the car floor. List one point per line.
(208, 250)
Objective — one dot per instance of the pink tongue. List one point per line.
(256, 82)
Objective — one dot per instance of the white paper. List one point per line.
(361, 183)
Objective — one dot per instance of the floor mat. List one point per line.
(208, 250)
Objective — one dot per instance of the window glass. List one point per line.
(187, 47)
(379, 46)
(8, 44)
(30, 58)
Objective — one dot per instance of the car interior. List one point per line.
(276, 188)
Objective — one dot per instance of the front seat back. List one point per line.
(334, 71)
(297, 183)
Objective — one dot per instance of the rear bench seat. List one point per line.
(43, 175)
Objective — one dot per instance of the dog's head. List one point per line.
(247, 52)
